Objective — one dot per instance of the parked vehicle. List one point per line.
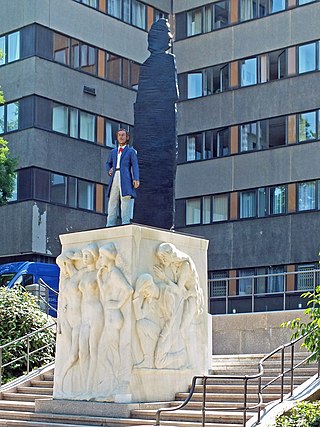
(40, 279)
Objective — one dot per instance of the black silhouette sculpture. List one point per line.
(155, 131)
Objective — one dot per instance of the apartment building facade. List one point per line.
(248, 174)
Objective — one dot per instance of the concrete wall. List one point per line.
(257, 333)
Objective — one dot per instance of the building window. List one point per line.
(60, 119)
(248, 72)
(13, 53)
(138, 14)
(194, 147)
(277, 65)
(111, 131)
(246, 282)
(277, 132)
(72, 192)
(220, 208)
(276, 5)
(194, 85)
(12, 116)
(307, 58)
(2, 50)
(221, 14)
(277, 200)
(218, 282)
(206, 210)
(85, 195)
(61, 48)
(9, 117)
(248, 10)
(306, 277)
(114, 8)
(74, 122)
(87, 126)
(307, 126)
(248, 204)
(307, 196)
(113, 68)
(253, 136)
(194, 22)
(193, 211)
(58, 189)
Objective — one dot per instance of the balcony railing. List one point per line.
(263, 292)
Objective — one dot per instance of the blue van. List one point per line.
(28, 274)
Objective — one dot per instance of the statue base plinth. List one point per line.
(97, 409)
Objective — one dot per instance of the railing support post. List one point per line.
(282, 375)
(28, 355)
(204, 401)
(291, 370)
(245, 401)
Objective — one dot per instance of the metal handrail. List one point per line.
(28, 352)
(246, 378)
(229, 296)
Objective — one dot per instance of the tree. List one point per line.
(311, 327)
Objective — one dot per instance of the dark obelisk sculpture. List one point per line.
(155, 136)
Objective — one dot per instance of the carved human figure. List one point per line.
(114, 345)
(92, 319)
(154, 306)
(178, 269)
(69, 308)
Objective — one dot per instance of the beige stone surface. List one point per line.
(132, 315)
(255, 333)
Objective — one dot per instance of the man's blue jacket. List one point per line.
(129, 170)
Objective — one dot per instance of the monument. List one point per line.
(132, 316)
(132, 321)
(155, 136)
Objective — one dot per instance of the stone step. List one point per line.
(30, 419)
(229, 397)
(192, 415)
(113, 423)
(13, 405)
(30, 397)
(42, 383)
(35, 390)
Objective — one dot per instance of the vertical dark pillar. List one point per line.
(155, 136)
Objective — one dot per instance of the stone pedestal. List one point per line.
(132, 317)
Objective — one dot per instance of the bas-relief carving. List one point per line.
(97, 305)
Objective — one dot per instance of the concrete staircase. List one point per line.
(17, 404)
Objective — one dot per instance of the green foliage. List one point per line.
(7, 167)
(312, 328)
(20, 315)
(304, 414)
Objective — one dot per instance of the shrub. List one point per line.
(20, 315)
(312, 340)
(304, 414)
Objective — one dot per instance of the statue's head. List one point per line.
(159, 37)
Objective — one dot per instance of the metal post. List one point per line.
(204, 401)
(259, 407)
(245, 402)
(227, 295)
(282, 370)
(252, 295)
(291, 373)
(28, 351)
(285, 277)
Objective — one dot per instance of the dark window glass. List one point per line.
(41, 184)
(12, 116)
(72, 192)
(222, 143)
(278, 200)
(58, 189)
(135, 71)
(126, 72)
(193, 211)
(307, 126)
(307, 58)
(25, 184)
(75, 53)
(221, 14)
(138, 14)
(246, 282)
(277, 65)
(248, 72)
(277, 131)
(88, 59)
